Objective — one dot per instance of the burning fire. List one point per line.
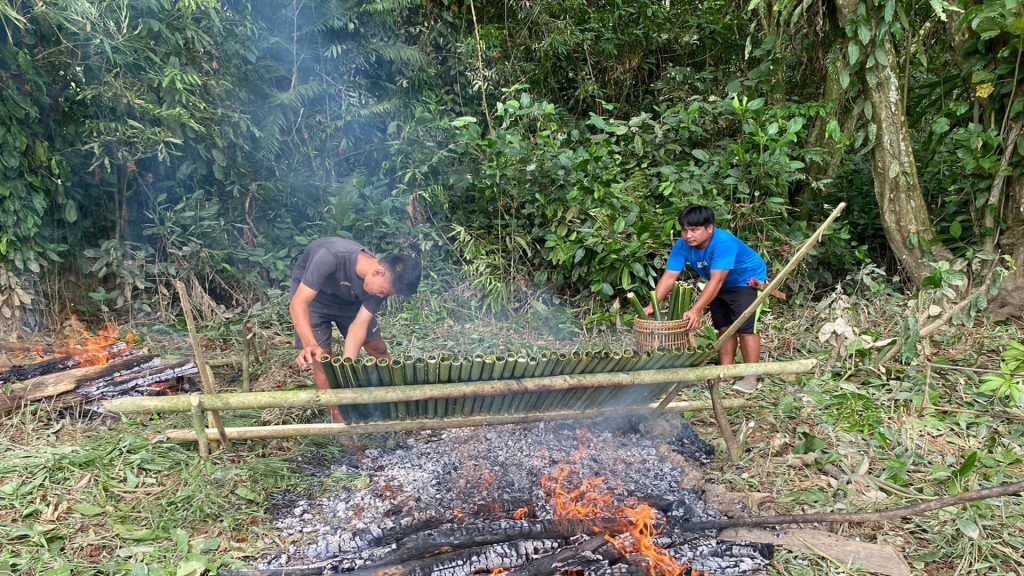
(521, 513)
(90, 349)
(589, 499)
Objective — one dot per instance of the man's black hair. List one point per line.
(694, 216)
(405, 272)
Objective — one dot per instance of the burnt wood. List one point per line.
(546, 565)
(71, 359)
(452, 538)
(471, 560)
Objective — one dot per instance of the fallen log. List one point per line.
(61, 382)
(71, 358)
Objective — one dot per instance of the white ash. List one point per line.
(454, 476)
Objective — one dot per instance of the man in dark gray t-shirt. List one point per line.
(338, 282)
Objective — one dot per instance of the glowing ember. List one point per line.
(521, 513)
(499, 570)
(589, 499)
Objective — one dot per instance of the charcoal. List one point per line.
(689, 444)
(457, 480)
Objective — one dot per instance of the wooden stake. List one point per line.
(383, 394)
(205, 374)
(722, 420)
(197, 426)
(246, 354)
(303, 430)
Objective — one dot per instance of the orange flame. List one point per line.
(498, 570)
(521, 513)
(90, 349)
(488, 479)
(591, 500)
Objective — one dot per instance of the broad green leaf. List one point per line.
(86, 509)
(955, 229)
(701, 155)
(853, 51)
(969, 527)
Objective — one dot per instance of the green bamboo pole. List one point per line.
(559, 364)
(476, 373)
(638, 308)
(384, 373)
(315, 397)
(325, 430)
(533, 369)
(419, 367)
(465, 375)
(397, 369)
(354, 378)
(490, 368)
(608, 396)
(553, 400)
(444, 373)
(687, 297)
(779, 278)
(584, 399)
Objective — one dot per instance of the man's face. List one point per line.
(378, 283)
(697, 236)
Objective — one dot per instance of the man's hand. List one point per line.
(649, 310)
(308, 355)
(692, 317)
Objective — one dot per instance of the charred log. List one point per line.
(466, 562)
(548, 565)
(73, 359)
(471, 535)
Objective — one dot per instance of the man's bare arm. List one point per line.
(298, 308)
(357, 330)
(693, 315)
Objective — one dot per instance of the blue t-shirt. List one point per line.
(724, 252)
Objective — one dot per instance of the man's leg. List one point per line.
(727, 353)
(750, 347)
(322, 332)
(377, 348)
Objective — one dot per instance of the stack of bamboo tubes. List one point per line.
(435, 369)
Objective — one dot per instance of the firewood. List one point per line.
(545, 565)
(482, 558)
(60, 382)
(70, 358)
(466, 536)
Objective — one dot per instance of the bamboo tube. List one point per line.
(348, 366)
(493, 405)
(478, 366)
(199, 427)
(397, 376)
(571, 365)
(419, 377)
(673, 301)
(638, 309)
(687, 297)
(205, 374)
(340, 379)
(586, 398)
(455, 405)
(521, 401)
(429, 407)
(656, 305)
(316, 397)
(490, 365)
(523, 368)
(306, 430)
(383, 366)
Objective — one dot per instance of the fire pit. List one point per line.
(517, 499)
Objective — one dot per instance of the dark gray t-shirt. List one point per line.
(328, 265)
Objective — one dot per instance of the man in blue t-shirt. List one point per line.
(729, 266)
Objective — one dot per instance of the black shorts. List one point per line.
(729, 304)
(324, 319)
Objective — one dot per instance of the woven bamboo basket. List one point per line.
(665, 334)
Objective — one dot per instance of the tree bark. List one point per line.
(901, 205)
(1010, 302)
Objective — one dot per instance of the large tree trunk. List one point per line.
(1010, 302)
(901, 205)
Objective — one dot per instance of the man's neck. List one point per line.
(365, 265)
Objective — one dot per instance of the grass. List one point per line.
(82, 497)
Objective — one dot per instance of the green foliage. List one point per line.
(590, 207)
(1009, 383)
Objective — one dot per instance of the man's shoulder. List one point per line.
(336, 245)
